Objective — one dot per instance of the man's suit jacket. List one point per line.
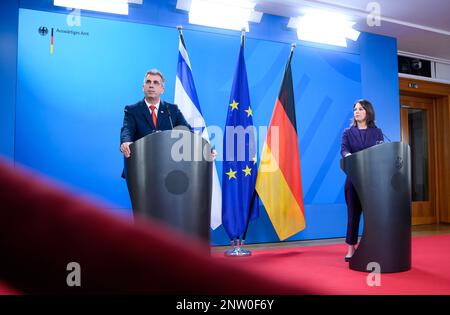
(138, 123)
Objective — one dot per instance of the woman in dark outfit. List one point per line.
(362, 134)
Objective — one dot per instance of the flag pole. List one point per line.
(180, 32)
(236, 249)
(241, 250)
(293, 45)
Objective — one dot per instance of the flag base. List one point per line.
(237, 250)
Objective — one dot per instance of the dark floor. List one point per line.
(417, 230)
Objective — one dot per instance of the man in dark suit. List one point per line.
(150, 114)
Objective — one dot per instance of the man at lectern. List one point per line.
(362, 134)
(150, 114)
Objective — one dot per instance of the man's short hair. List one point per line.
(155, 72)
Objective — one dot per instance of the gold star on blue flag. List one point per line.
(231, 174)
(239, 199)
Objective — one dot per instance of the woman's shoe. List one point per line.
(350, 252)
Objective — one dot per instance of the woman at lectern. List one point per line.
(362, 134)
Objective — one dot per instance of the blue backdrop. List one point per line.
(69, 107)
(9, 15)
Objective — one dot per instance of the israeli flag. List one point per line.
(187, 100)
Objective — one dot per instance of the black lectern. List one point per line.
(169, 178)
(381, 176)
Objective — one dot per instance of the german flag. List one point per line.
(279, 181)
(51, 43)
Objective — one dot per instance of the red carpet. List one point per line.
(7, 290)
(42, 228)
(323, 268)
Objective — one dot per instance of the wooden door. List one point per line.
(417, 129)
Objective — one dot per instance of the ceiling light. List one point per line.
(324, 27)
(227, 14)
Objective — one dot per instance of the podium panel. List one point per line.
(169, 178)
(381, 176)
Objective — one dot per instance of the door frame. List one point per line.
(441, 94)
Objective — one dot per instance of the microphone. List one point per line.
(387, 137)
(170, 115)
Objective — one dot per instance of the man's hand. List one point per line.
(125, 149)
(213, 154)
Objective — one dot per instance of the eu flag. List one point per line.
(239, 201)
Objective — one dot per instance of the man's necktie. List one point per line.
(152, 108)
